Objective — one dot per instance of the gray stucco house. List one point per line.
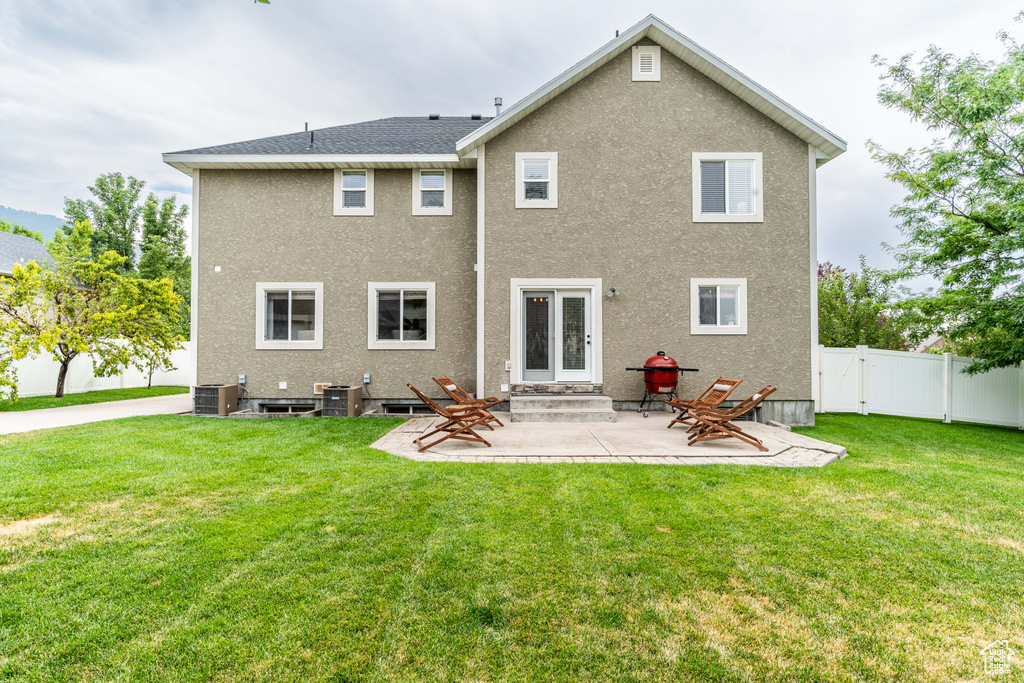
(486, 249)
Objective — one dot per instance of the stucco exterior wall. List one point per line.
(624, 215)
(278, 226)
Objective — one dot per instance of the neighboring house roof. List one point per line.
(828, 143)
(17, 249)
(450, 141)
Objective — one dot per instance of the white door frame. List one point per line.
(517, 285)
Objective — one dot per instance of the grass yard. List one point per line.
(87, 397)
(190, 549)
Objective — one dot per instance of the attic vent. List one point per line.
(433, 117)
(646, 62)
(475, 117)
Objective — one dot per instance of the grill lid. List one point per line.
(661, 362)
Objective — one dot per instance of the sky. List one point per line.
(108, 85)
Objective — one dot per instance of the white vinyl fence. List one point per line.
(863, 380)
(37, 375)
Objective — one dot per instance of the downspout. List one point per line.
(481, 205)
(812, 211)
(193, 350)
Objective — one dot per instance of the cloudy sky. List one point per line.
(105, 85)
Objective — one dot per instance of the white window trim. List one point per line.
(262, 343)
(552, 201)
(656, 74)
(741, 305)
(757, 216)
(339, 208)
(371, 317)
(417, 208)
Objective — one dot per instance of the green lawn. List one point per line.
(87, 397)
(177, 548)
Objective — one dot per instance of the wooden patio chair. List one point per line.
(711, 424)
(462, 397)
(459, 422)
(711, 397)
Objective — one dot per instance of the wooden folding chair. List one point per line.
(711, 397)
(459, 422)
(711, 424)
(462, 397)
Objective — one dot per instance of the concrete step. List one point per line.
(567, 408)
(563, 415)
(555, 401)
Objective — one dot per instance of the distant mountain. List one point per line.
(43, 222)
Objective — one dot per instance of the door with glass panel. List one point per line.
(556, 336)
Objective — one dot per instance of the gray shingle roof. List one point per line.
(19, 249)
(396, 135)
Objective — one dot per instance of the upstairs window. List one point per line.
(353, 192)
(537, 180)
(727, 188)
(718, 306)
(432, 192)
(289, 315)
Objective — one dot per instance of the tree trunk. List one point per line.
(61, 376)
(150, 385)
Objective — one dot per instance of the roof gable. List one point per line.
(829, 144)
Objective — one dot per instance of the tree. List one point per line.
(115, 216)
(16, 229)
(163, 250)
(83, 305)
(963, 215)
(861, 309)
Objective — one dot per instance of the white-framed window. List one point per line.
(646, 63)
(431, 192)
(289, 315)
(718, 305)
(353, 192)
(400, 315)
(536, 180)
(727, 187)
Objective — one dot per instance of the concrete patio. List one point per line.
(632, 439)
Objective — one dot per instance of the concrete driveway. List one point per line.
(31, 420)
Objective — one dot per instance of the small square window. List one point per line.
(727, 188)
(431, 192)
(289, 315)
(718, 306)
(537, 180)
(353, 192)
(401, 315)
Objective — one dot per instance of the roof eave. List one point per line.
(186, 163)
(689, 52)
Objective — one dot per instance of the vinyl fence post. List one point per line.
(1020, 403)
(947, 386)
(862, 379)
(819, 402)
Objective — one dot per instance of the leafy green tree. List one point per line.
(861, 309)
(85, 305)
(16, 229)
(963, 215)
(163, 249)
(114, 213)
